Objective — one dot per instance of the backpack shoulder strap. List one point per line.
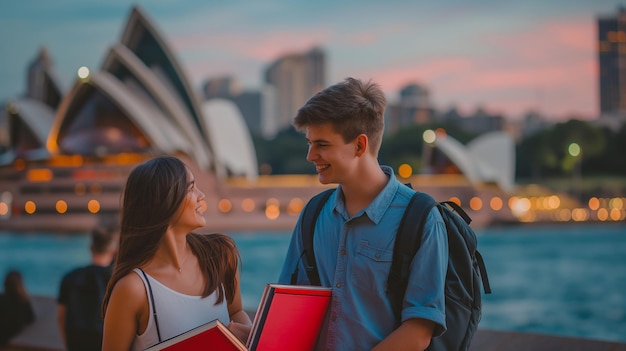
(408, 241)
(307, 226)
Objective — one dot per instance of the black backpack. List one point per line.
(466, 268)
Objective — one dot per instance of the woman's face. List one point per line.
(191, 211)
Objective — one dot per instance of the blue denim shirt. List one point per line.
(354, 256)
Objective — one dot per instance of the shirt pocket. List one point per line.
(371, 267)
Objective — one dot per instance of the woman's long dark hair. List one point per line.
(153, 194)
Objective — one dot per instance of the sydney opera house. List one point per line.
(68, 152)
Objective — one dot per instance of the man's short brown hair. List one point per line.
(351, 106)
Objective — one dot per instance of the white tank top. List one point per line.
(176, 313)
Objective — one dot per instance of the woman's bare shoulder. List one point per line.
(130, 287)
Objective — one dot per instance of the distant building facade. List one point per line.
(413, 107)
(612, 63)
(295, 78)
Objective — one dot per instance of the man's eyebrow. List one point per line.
(317, 141)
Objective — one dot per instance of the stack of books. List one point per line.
(289, 317)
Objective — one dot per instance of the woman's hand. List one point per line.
(240, 330)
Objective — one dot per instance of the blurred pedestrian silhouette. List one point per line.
(82, 289)
(16, 311)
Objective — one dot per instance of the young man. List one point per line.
(356, 229)
(81, 293)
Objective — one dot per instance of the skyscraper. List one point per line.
(612, 63)
(295, 78)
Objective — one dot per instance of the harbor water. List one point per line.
(565, 280)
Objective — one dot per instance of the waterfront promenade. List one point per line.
(43, 335)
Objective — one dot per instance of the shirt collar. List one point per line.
(377, 208)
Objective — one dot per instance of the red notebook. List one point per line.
(213, 335)
(289, 317)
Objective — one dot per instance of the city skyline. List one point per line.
(505, 57)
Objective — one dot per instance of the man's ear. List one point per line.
(361, 144)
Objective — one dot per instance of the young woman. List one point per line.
(166, 279)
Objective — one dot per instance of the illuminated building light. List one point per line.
(441, 132)
(295, 206)
(405, 170)
(519, 206)
(247, 205)
(225, 206)
(61, 206)
(429, 136)
(574, 149)
(66, 161)
(616, 203)
(83, 73)
(603, 214)
(594, 204)
(128, 159)
(80, 189)
(39, 175)
(615, 214)
(30, 207)
(456, 200)
(580, 215)
(496, 203)
(4, 209)
(554, 202)
(272, 212)
(93, 206)
(476, 203)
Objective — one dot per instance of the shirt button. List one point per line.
(342, 252)
(338, 285)
(377, 255)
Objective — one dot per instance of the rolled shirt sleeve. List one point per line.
(424, 296)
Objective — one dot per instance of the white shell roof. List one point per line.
(488, 158)
(232, 142)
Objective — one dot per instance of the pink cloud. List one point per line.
(394, 78)
(260, 46)
(551, 67)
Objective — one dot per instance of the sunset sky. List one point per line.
(506, 56)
